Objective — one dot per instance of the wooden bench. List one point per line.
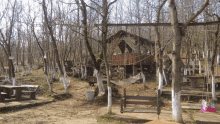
(217, 84)
(2, 96)
(31, 89)
(144, 100)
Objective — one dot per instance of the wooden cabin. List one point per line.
(124, 51)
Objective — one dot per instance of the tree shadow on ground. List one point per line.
(206, 122)
(126, 119)
(63, 96)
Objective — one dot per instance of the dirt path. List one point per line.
(73, 110)
(76, 109)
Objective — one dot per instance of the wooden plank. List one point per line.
(142, 103)
(141, 97)
(191, 106)
(24, 91)
(139, 110)
(160, 24)
(189, 91)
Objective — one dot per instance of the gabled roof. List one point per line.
(122, 33)
(124, 39)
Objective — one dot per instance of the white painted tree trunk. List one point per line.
(164, 76)
(100, 84)
(213, 88)
(109, 100)
(64, 71)
(143, 77)
(160, 82)
(65, 84)
(48, 82)
(13, 83)
(176, 106)
(82, 72)
(44, 67)
(218, 57)
(208, 68)
(200, 67)
(203, 54)
(185, 73)
(110, 73)
(193, 65)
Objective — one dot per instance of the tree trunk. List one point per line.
(178, 33)
(159, 51)
(99, 81)
(176, 68)
(212, 64)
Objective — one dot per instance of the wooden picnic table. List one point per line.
(8, 88)
(194, 80)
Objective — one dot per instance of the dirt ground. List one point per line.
(74, 107)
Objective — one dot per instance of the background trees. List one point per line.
(50, 32)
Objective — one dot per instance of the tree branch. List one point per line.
(94, 9)
(166, 44)
(4, 48)
(206, 3)
(111, 3)
(66, 3)
(87, 36)
(96, 3)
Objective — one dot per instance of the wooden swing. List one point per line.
(143, 100)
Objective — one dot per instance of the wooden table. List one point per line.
(8, 88)
(194, 80)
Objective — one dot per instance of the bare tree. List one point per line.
(49, 26)
(6, 43)
(176, 59)
(97, 61)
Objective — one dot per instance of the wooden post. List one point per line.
(122, 105)
(124, 97)
(158, 103)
